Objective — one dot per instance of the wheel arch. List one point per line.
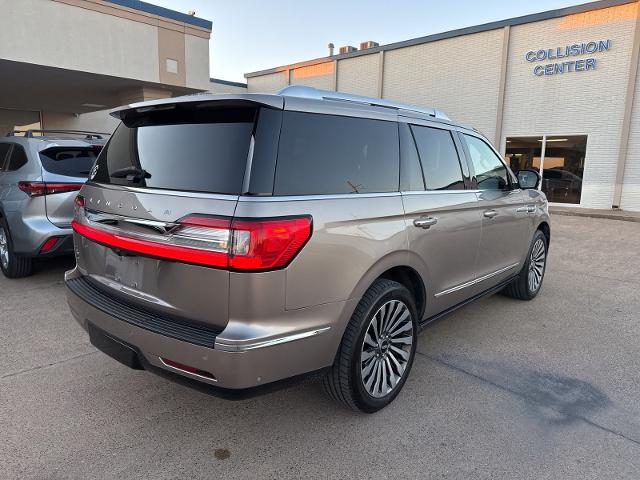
(397, 267)
(546, 230)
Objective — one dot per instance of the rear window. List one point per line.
(188, 150)
(326, 154)
(72, 162)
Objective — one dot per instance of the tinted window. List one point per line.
(491, 174)
(18, 158)
(208, 155)
(326, 154)
(4, 149)
(439, 158)
(411, 178)
(72, 162)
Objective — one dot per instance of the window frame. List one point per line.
(544, 137)
(513, 181)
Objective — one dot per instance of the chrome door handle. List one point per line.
(425, 222)
(490, 213)
(527, 209)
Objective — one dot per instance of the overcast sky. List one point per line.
(250, 35)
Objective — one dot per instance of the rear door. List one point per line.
(65, 169)
(441, 214)
(157, 170)
(504, 217)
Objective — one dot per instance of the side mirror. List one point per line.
(529, 179)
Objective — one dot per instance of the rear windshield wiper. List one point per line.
(133, 174)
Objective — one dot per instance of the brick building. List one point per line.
(556, 91)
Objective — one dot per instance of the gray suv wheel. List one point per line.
(13, 266)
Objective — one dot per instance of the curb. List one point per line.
(609, 216)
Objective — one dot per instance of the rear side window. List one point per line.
(18, 158)
(71, 162)
(327, 154)
(439, 158)
(191, 150)
(4, 149)
(411, 178)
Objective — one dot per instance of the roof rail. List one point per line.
(310, 92)
(88, 135)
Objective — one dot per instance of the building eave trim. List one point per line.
(227, 82)
(164, 12)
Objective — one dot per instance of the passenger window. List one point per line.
(18, 158)
(4, 149)
(439, 158)
(491, 174)
(327, 154)
(411, 178)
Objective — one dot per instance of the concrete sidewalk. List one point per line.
(595, 213)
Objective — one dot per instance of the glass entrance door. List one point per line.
(559, 159)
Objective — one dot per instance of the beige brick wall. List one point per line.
(359, 75)
(631, 179)
(222, 88)
(460, 76)
(631, 182)
(268, 83)
(318, 76)
(589, 103)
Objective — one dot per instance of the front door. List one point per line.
(505, 225)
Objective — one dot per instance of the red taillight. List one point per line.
(267, 244)
(49, 244)
(246, 244)
(37, 189)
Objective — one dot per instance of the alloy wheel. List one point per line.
(536, 265)
(386, 349)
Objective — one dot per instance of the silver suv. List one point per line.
(239, 240)
(41, 172)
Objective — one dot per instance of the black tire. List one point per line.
(343, 382)
(15, 265)
(520, 288)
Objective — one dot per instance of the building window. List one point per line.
(559, 158)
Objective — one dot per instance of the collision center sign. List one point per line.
(562, 59)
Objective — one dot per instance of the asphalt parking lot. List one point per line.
(500, 389)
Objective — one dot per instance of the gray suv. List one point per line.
(41, 172)
(239, 240)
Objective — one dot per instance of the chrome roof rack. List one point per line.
(314, 93)
(86, 134)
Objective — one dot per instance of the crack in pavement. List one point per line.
(46, 365)
(529, 398)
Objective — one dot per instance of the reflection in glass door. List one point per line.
(559, 158)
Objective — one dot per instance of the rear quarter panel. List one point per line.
(352, 234)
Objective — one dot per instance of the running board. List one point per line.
(444, 313)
